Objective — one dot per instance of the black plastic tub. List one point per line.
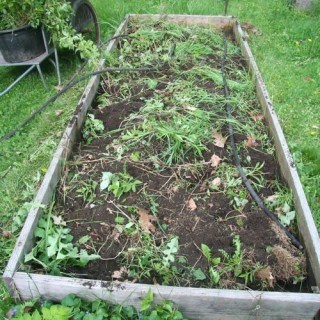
(22, 44)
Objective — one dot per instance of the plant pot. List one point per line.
(23, 44)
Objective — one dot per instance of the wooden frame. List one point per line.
(195, 303)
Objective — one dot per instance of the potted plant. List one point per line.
(24, 22)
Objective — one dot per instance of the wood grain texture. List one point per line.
(195, 303)
(44, 195)
(306, 224)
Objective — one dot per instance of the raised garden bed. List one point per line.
(152, 196)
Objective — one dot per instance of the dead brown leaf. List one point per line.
(58, 87)
(175, 189)
(191, 108)
(251, 142)
(219, 140)
(265, 274)
(105, 224)
(256, 116)
(250, 28)
(6, 234)
(115, 235)
(191, 204)
(215, 160)
(203, 186)
(145, 220)
(308, 79)
(118, 274)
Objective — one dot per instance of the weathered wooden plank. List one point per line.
(51, 178)
(195, 303)
(219, 22)
(43, 197)
(305, 220)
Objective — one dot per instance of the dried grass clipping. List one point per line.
(287, 266)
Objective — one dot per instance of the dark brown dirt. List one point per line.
(213, 222)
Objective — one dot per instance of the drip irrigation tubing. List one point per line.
(66, 88)
(72, 83)
(236, 158)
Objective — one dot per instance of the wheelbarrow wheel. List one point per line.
(85, 20)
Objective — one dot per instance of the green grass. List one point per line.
(286, 53)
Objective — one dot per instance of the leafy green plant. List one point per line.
(53, 312)
(54, 16)
(255, 175)
(87, 190)
(214, 75)
(53, 247)
(22, 213)
(146, 259)
(282, 203)
(233, 187)
(235, 264)
(213, 262)
(92, 127)
(119, 183)
(164, 311)
(171, 250)
(130, 227)
(72, 307)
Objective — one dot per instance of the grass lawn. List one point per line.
(287, 52)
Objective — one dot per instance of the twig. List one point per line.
(104, 243)
(167, 181)
(123, 248)
(121, 211)
(194, 227)
(236, 216)
(197, 247)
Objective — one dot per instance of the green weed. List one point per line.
(121, 183)
(179, 133)
(150, 260)
(87, 190)
(53, 247)
(212, 74)
(73, 307)
(235, 265)
(92, 127)
(281, 202)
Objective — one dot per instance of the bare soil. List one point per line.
(213, 221)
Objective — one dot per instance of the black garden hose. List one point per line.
(73, 82)
(66, 88)
(69, 85)
(245, 180)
